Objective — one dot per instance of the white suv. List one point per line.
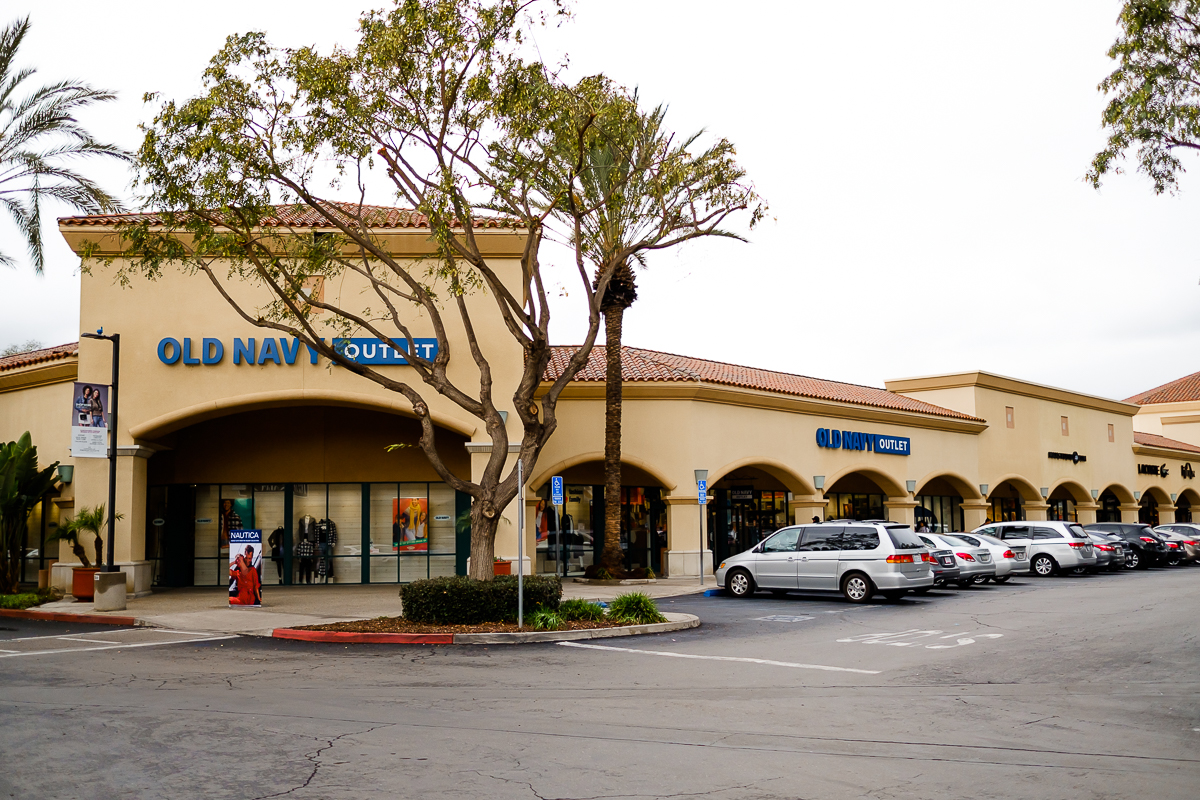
(857, 559)
(1050, 546)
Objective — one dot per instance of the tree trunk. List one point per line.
(483, 543)
(99, 551)
(81, 554)
(612, 558)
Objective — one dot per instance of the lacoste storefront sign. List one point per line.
(1160, 470)
(285, 352)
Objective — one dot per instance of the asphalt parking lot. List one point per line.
(1045, 688)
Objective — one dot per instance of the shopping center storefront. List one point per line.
(268, 436)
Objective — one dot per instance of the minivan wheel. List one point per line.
(1043, 565)
(739, 583)
(857, 588)
(1173, 561)
(1133, 560)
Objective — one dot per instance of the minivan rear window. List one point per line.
(1077, 531)
(904, 538)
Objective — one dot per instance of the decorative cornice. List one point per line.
(750, 398)
(485, 448)
(54, 372)
(1000, 383)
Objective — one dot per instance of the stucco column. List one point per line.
(1129, 512)
(975, 514)
(506, 530)
(1035, 512)
(1166, 515)
(805, 508)
(684, 550)
(900, 509)
(1086, 513)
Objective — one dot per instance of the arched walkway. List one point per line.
(1014, 498)
(1186, 505)
(640, 471)
(784, 474)
(748, 500)
(940, 498)
(1064, 500)
(866, 493)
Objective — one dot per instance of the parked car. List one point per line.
(1009, 558)
(944, 567)
(1186, 537)
(1110, 551)
(1050, 545)
(974, 562)
(858, 559)
(1145, 546)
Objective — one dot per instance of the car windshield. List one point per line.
(953, 541)
(903, 537)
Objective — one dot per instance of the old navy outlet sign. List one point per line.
(283, 351)
(853, 440)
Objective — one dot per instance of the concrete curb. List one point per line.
(675, 622)
(622, 582)
(59, 616)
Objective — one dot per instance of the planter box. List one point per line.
(502, 568)
(83, 582)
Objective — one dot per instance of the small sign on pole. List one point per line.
(702, 496)
(89, 421)
(556, 490)
(702, 488)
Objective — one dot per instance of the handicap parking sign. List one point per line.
(556, 490)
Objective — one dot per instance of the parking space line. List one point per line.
(57, 636)
(763, 661)
(90, 641)
(15, 654)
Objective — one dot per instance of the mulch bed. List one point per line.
(401, 625)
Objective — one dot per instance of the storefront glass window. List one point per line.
(1183, 510)
(1148, 511)
(1062, 510)
(939, 513)
(1110, 508)
(1006, 509)
(840, 505)
(206, 547)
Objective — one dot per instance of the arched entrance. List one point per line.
(1008, 499)
(939, 503)
(570, 541)
(1111, 500)
(860, 494)
(1063, 500)
(1152, 498)
(334, 505)
(747, 504)
(1187, 500)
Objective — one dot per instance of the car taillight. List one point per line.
(1078, 544)
(1008, 554)
(898, 559)
(927, 557)
(1189, 541)
(1106, 547)
(1174, 545)
(965, 556)
(1147, 539)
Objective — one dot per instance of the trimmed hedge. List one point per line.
(25, 600)
(459, 600)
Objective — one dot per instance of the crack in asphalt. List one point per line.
(315, 756)
(655, 796)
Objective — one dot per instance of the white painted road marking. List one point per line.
(782, 618)
(912, 637)
(66, 644)
(764, 661)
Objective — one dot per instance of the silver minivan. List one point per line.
(857, 559)
(1051, 545)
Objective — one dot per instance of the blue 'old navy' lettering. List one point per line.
(281, 351)
(855, 440)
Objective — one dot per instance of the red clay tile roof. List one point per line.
(1177, 391)
(1154, 440)
(303, 216)
(37, 356)
(650, 365)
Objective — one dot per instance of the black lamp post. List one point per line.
(115, 338)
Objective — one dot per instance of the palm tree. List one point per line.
(88, 520)
(39, 138)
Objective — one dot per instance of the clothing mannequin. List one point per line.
(275, 542)
(326, 539)
(306, 547)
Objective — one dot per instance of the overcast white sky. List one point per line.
(923, 162)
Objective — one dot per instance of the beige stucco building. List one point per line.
(223, 427)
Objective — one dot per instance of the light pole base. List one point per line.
(110, 591)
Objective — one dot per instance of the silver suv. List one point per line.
(857, 559)
(1050, 545)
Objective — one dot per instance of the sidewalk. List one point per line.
(207, 609)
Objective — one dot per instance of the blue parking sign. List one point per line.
(556, 490)
(702, 489)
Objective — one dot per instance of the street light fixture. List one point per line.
(701, 501)
(115, 338)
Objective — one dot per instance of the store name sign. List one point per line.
(1074, 458)
(281, 351)
(854, 440)
(1153, 469)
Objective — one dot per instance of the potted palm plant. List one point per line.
(87, 520)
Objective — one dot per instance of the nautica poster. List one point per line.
(245, 568)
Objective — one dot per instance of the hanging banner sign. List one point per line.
(89, 421)
(245, 568)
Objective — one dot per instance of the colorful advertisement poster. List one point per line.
(410, 524)
(89, 421)
(245, 568)
(235, 513)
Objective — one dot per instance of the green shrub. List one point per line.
(26, 599)
(459, 600)
(577, 610)
(634, 608)
(544, 619)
